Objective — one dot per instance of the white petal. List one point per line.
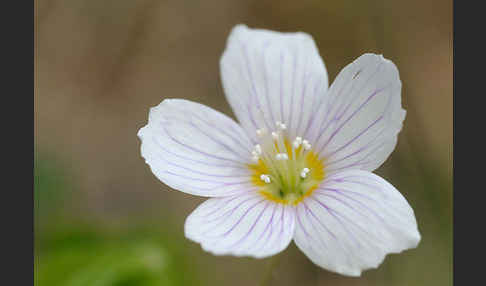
(195, 149)
(245, 225)
(357, 127)
(270, 76)
(353, 221)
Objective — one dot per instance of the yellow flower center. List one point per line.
(285, 173)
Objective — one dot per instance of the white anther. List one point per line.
(274, 135)
(258, 149)
(297, 142)
(306, 145)
(280, 125)
(265, 178)
(255, 159)
(261, 132)
(281, 156)
(254, 153)
(304, 173)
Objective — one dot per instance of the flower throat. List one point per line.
(286, 172)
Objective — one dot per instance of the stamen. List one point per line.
(281, 156)
(274, 135)
(280, 125)
(297, 142)
(261, 132)
(258, 149)
(304, 172)
(265, 178)
(306, 145)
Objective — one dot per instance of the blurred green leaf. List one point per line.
(50, 183)
(102, 258)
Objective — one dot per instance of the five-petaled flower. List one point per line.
(298, 165)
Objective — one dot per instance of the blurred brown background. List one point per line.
(100, 66)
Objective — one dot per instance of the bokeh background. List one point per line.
(101, 216)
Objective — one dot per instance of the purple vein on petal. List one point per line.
(229, 135)
(372, 187)
(346, 177)
(306, 234)
(254, 94)
(319, 239)
(236, 166)
(204, 173)
(349, 118)
(354, 138)
(337, 110)
(318, 220)
(363, 183)
(351, 221)
(354, 200)
(362, 148)
(222, 204)
(333, 213)
(235, 90)
(229, 212)
(251, 228)
(353, 87)
(270, 231)
(241, 218)
(302, 97)
(387, 107)
(316, 108)
(214, 126)
(224, 218)
(213, 138)
(360, 162)
(282, 116)
(294, 71)
(265, 80)
(197, 150)
(220, 184)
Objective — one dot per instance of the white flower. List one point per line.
(298, 165)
